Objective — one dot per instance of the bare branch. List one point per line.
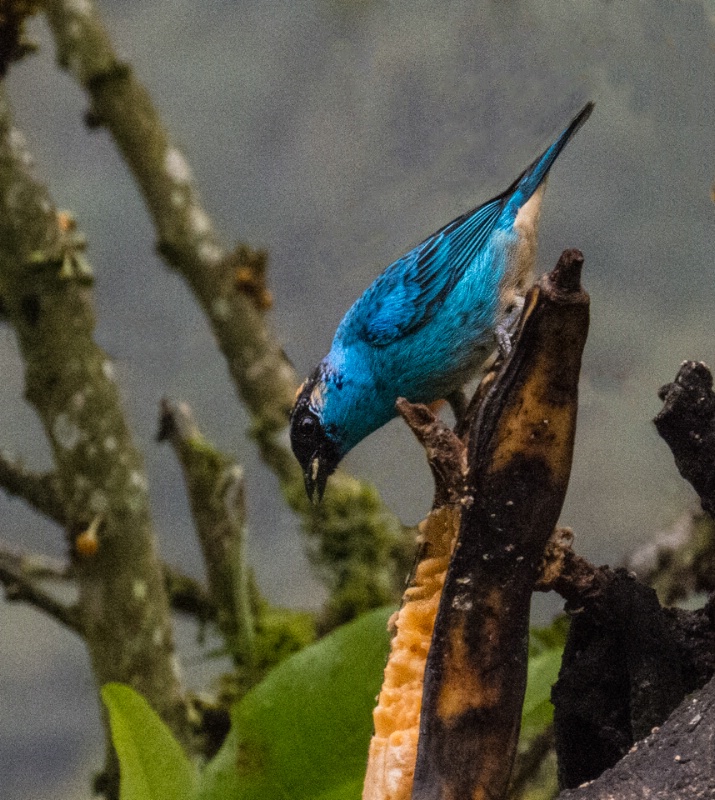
(188, 596)
(19, 574)
(36, 566)
(41, 490)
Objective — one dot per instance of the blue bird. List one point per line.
(425, 326)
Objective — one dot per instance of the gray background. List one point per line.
(337, 134)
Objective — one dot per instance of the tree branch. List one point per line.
(188, 596)
(264, 378)
(680, 561)
(40, 490)
(687, 423)
(216, 493)
(19, 574)
(230, 288)
(674, 761)
(70, 382)
(258, 635)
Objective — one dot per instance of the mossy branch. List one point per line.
(215, 487)
(362, 550)
(257, 634)
(229, 285)
(70, 383)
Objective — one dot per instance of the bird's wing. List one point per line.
(407, 294)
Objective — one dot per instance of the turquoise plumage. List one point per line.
(426, 324)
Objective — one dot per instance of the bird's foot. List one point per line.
(505, 330)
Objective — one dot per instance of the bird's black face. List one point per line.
(316, 452)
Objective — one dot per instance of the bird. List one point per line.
(427, 323)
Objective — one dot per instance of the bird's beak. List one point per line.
(316, 477)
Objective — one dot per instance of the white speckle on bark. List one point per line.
(286, 373)
(98, 501)
(199, 221)
(74, 29)
(79, 7)
(67, 434)
(258, 368)
(176, 166)
(110, 444)
(157, 637)
(139, 590)
(221, 308)
(176, 668)
(18, 145)
(178, 198)
(283, 438)
(138, 481)
(78, 400)
(108, 370)
(209, 253)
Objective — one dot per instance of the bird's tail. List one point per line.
(528, 182)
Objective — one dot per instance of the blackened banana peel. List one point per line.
(519, 460)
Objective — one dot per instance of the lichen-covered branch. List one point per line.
(70, 383)
(361, 549)
(226, 284)
(215, 488)
(258, 635)
(41, 490)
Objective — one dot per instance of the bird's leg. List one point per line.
(458, 403)
(504, 331)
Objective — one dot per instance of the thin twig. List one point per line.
(19, 575)
(35, 565)
(42, 490)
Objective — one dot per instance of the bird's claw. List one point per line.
(505, 330)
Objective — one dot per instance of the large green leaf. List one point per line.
(303, 732)
(152, 764)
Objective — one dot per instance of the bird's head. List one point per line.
(313, 442)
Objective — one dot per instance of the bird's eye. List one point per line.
(307, 425)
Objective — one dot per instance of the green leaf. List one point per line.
(152, 764)
(303, 732)
(546, 646)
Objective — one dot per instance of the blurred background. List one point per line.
(337, 134)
